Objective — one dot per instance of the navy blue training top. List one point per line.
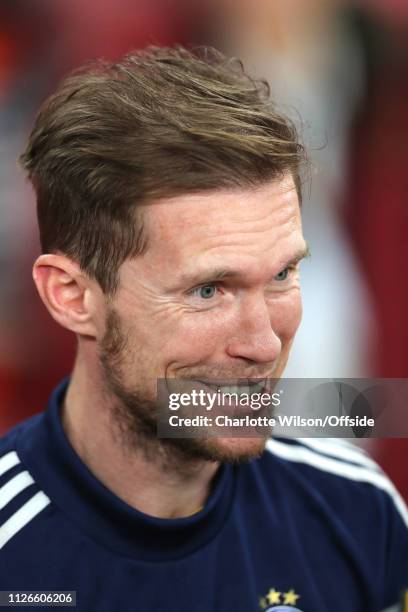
(313, 525)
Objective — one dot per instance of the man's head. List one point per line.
(168, 202)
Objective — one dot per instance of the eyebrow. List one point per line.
(222, 273)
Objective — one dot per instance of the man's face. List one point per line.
(216, 295)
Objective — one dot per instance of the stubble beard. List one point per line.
(135, 413)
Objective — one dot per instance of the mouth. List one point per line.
(240, 386)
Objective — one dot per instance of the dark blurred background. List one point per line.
(339, 69)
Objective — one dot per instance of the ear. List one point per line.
(68, 294)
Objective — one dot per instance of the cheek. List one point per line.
(198, 337)
(204, 330)
(286, 314)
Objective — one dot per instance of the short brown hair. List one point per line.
(159, 123)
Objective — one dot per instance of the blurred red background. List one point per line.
(343, 65)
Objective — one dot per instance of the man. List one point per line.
(168, 202)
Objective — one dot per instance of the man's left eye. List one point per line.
(283, 275)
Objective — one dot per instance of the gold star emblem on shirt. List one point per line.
(274, 596)
(290, 598)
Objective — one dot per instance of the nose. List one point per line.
(254, 339)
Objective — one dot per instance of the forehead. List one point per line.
(226, 223)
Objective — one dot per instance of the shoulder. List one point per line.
(333, 488)
(340, 473)
(338, 484)
(21, 498)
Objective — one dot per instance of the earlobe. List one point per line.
(64, 290)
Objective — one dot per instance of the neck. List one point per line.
(155, 483)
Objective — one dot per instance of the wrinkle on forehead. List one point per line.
(234, 217)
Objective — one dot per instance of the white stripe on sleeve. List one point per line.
(348, 452)
(22, 517)
(8, 461)
(14, 486)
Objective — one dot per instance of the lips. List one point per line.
(241, 386)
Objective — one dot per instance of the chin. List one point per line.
(218, 450)
(235, 450)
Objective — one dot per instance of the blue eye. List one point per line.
(206, 291)
(283, 275)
